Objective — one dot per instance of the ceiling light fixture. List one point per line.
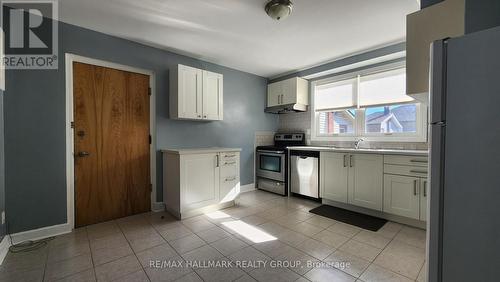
(279, 9)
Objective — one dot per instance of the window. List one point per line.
(372, 105)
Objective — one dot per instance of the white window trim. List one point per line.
(359, 127)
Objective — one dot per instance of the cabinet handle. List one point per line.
(230, 179)
(419, 161)
(204, 116)
(217, 158)
(199, 116)
(415, 183)
(345, 160)
(425, 188)
(279, 99)
(229, 163)
(418, 171)
(350, 161)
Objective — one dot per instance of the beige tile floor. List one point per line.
(261, 228)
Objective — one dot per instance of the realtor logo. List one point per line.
(30, 34)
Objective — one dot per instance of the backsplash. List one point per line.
(264, 138)
(301, 122)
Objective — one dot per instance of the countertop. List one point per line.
(186, 151)
(362, 150)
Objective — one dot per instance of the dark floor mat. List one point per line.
(367, 222)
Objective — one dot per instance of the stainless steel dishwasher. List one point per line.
(304, 173)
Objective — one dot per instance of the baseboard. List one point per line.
(4, 248)
(247, 188)
(40, 233)
(158, 207)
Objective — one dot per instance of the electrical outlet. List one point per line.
(3, 217)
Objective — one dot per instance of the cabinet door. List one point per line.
(424, 184)
(199, 181)
(289, 91)
(274, 92)
(190, 92)
(229, 176)
(333, 176)
(401, 195)
(366, 180)
(212, 95)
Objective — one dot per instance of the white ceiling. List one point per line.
(239, 34)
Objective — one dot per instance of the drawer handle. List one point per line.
(419, 161)
(229, 156)
(229, 163)
(418, 171)
(230, 179)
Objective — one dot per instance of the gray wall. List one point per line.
(481, 14)
(2, 167)
(35, 117)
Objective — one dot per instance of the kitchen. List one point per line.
(266, 140)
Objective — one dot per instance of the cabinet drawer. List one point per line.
(229, 157)
(417, 171)
(229, 171)
(406, 160)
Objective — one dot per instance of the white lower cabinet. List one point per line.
(333, 176)
(406, 196)
(366, 180)
(352, 178)
(200, 180)
(423, 199)
(393, 184)
(401, 195)
(195, 181)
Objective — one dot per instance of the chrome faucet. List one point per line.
(357, 143)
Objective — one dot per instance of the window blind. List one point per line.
(384, 88)
(334, 96)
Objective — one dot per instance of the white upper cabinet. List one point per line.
(290, 91)
(195, 94)
(212, 96)
(439, 21)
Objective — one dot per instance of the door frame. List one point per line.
(70, 167)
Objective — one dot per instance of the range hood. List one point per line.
(284, 109)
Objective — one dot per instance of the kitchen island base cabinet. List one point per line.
(197, 182)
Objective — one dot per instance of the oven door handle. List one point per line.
(272, 152)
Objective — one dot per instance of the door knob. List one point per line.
(83, 154)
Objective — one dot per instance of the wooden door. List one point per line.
(366, 177)
(212, 95)
(334, 173)
(400, 195)
(111, 141)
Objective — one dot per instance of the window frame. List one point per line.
(359, 127)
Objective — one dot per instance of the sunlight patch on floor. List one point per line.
(248, 231)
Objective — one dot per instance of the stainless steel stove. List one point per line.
(271, 166)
